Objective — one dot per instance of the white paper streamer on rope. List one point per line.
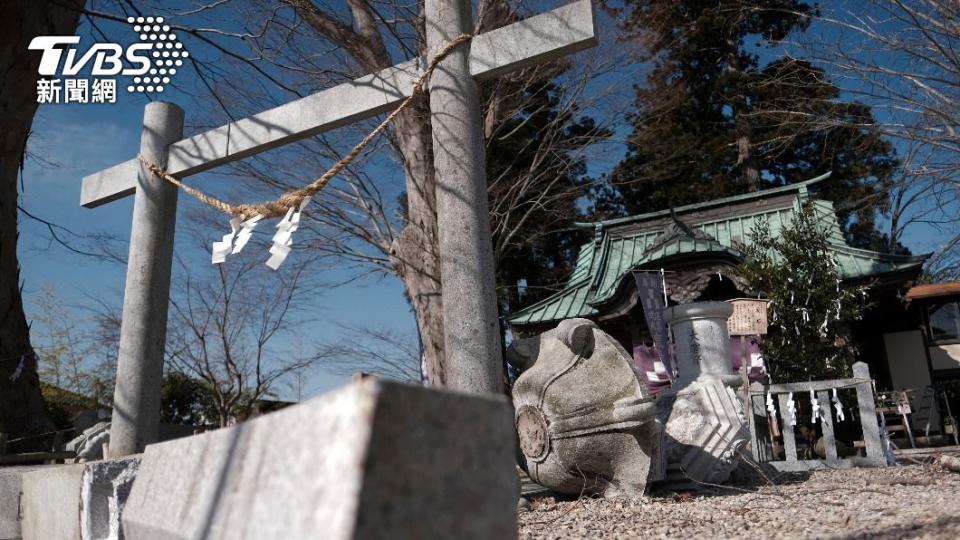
(283, 239)
(771, 408)
(815, 406)
(838, 405)
(245, 233)
(791, 410)
(221, 249)
(18, 370)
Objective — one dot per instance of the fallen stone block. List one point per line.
(371, 460)
(80, 501)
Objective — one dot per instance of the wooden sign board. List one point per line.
(749, 317)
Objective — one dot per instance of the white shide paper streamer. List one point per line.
(283, 239)
(838, 405)
(222, 248)
(815, 407)
(791, 410)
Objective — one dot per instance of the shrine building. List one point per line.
(697, 247)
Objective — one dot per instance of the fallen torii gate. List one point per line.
(471, 333)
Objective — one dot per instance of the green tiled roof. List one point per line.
(622, 245)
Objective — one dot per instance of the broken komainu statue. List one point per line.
(586, 421)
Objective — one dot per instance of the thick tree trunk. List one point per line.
(22, 409)
(414, 253)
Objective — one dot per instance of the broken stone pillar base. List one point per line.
(372, 460)
(82, 501)
(705, 432)
(703, 419)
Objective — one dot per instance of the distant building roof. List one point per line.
(934, 290)
(716, 228)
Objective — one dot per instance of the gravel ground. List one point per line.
(915, 501)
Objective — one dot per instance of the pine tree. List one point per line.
(713, 120)
(810, 309)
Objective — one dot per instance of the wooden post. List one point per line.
(57, 446)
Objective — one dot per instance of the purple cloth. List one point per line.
(744, 350)
(645, 357)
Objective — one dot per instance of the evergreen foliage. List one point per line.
(810, 309)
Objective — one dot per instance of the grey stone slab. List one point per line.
(702, 342)
(79, 501)
(51, 503)
(816, 386)
(535, 40)
(826, 419)
(371, 460)
(706, 428)
(11, 489)
(803, 465)
(787, 430)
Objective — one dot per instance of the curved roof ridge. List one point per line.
(799, 186)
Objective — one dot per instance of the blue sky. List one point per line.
(75, 140)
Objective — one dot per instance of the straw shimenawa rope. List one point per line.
(292, 199)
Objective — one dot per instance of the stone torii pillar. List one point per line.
(143, 330)
(471, 329)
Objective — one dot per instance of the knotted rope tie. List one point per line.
(292, 199)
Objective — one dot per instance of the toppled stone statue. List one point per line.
(90, 444)
(585, 419)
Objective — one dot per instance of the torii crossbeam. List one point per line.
(532, 41)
